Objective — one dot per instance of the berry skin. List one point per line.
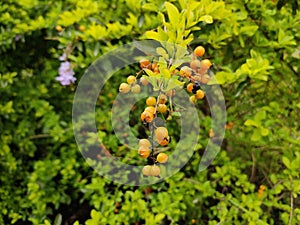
(199, 51)
(162, 99)
(144, 152)
(144, 63)
(162, 157)
(193, 99)
(185, 71)
(199, 94)
(150, 109)
(205, 63)
(195, 64)
(147, 170)
(189, 87)
(131, 79)
(162, 136)
(162, 108)
(151, 101)
(59, 28)
(124, 88)
(136, 88)
(144, 81)
(205, 79)
(144, 143)
(155, 171)
(147, 117)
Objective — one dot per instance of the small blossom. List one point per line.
(63, 57)
(66, 73)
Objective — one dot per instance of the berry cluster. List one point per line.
(196, 74)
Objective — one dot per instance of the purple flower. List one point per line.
(66, 73)
(63, 57)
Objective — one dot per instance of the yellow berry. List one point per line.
(195, 64)
(59, 28)
(151, 101)
(205, 79)
(162, 136)
(162, 108)
(136, 88)
(199, 51)
(162, 99)
(185, 71)
(131, 79)
(81, 28)
(150, 109)
(147, 170)
(124, 88)
(155, 171)
(199, 94)
(144, 143)
(162, 157)
(193, 99)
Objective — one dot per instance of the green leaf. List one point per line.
(261, 115)
(58, 220)
(173, 83)
(159, 217)
(173, 13)
(250, 122)
(207, 19)
(286, 162)
(264, 131)
(256, 136)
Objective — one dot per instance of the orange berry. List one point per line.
(205, 63)
(199, 94)
(81, 28)
(147, 170)
(164, 142)
(189, 87)
(155, 171)
(162, 108)
(124, 88)
(144, 143)
(144, 152)
(162, 99)
(162, 136)
(147, 117)
(131, 79)
(151, 101)
(144, 63)
(211, 133)
(162, 157)
(199, 51)
(195, 64)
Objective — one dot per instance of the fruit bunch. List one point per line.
(195, 74)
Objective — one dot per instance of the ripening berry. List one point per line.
(81, 28)
(144, 63)
(59, 28)
(136, 88)
(154, 67)
(162, 157)
(144, 81)
(151, 101)
(205, 79)
(162, 99)
(211, 133)
(131, 79)
(144, 152)
(193, 99)
(205, 63)
(144, 143)
(185, 71)
(147, 170)
(199, 94)
(162, 108)
(162, 136)
(199, 51)
(189, 87)
(124, 88)
(147, 117)
(155, 171)
(195, 64)
(150, 109)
